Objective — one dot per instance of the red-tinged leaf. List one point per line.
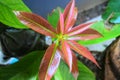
(67, 53)
(78, 29)
(82, 50)
(46, 62)
(60, 27)
(75, 71)
(84, 37)
(70, 15)
(66, 10)
(73, 19)
(54, 65)
(35, 22)
(91, 31)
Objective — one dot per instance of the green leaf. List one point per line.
(85, 73)
(6, 12)
(63, 72)
(113, 7)
(107, 34)
(54, 17)
(26, 69)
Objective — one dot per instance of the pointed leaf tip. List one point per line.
(70, 15)
(75, 71)
(67, 54)
(82, 51)
(79, 29)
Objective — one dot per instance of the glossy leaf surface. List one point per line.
(70, 15)
(67, 53)
(6, 12)
(54, 65)
(82, 51)
(36, 23)
(79, 29)
(60, 26)
(46, 63)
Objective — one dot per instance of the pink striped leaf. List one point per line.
(82, 51)
(47, 62)
(73, 19)
(67, 53)
(70, 15)
(78, 29)
(60, 27)
(75, 71)
(54, 65)
(35, 22)
(84, 37)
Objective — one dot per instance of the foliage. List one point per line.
(99, 26)
(107, 34)
(6, 12)
(26, 69)
(28, 66)
(63, 73)
(112, 11)
(65, 37)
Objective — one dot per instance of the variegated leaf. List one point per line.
(46, 62)
(82, 51)
(35, 22)
(67, 53)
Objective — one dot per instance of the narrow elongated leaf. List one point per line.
(88, 34)
(73, 20)
(82, 51)
(66, 10)
(60, 27)
(36, 23)
(70, 15)
(54, 65)
(67, 53)
(46, 62)
(84, 37)
(78, 29)
(75, 71)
